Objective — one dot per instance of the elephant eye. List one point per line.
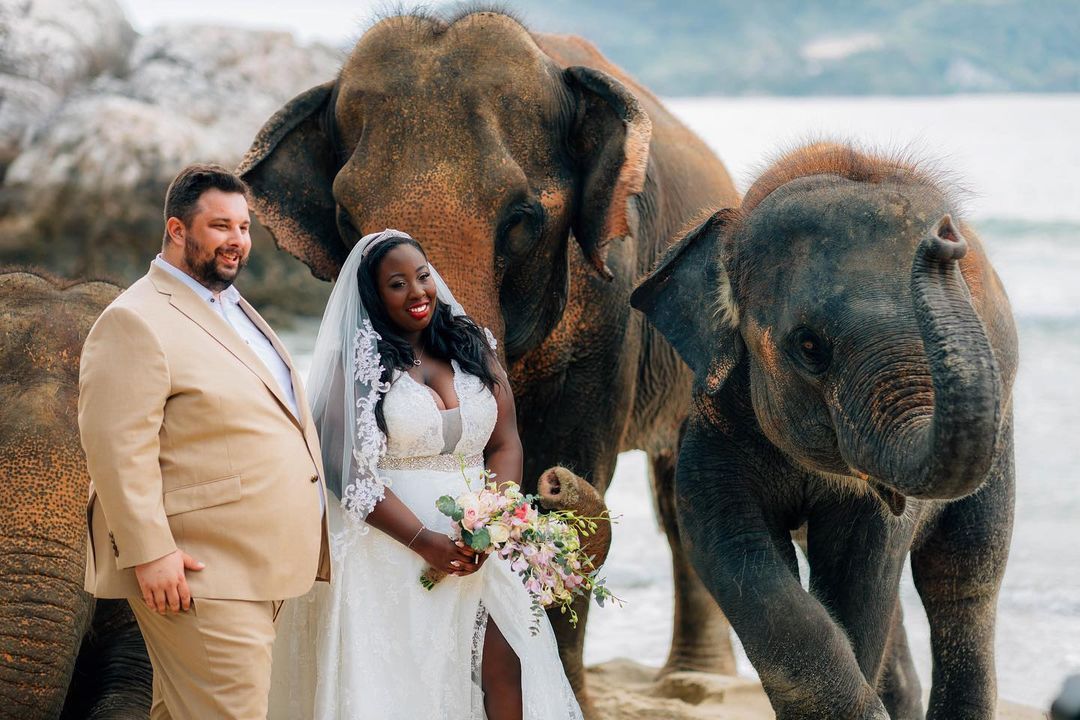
(810, 350)
(520, 228)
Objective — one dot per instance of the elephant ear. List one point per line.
(687, 297)
(290, 168)
(610, 141)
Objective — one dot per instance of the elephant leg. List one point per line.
(958, 568)
(743, 553)
(899, 686)
(701, 635)
(113, 678)
(856, 554)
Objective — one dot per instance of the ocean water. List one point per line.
(1019, 160)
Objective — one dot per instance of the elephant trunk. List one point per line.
(42, 621)
(44, 611)
(113, 676)
(560, 489)
(948, 454)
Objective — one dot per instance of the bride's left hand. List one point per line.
(445, 554)
(478, 559)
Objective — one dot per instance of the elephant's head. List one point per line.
(864, 314)
(44, 485)
(466, 135)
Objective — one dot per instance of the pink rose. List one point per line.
(470, 518)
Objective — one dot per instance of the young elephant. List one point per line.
(854, 353)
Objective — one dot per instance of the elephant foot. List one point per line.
(716, 663)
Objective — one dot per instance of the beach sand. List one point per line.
(626, 690)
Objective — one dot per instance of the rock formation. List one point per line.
(95, 121)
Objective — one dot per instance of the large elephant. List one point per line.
(855, 378)
(56, 644)
(494, 147)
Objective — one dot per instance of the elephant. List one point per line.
(494, 146)
(854, 355)
(64, 655)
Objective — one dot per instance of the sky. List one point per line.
(330, 21)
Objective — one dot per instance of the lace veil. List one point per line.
(344, 386)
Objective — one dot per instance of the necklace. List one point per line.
(419, 358)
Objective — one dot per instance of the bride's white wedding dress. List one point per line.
(375, 644)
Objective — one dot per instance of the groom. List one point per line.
(207, 505)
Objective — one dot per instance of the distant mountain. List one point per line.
(814, 47)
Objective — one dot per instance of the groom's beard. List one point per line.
(206, 270)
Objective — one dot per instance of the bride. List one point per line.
(404, 385)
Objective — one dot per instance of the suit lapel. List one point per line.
(196, 309)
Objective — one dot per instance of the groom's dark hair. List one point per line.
(182, 197)
(447, 336)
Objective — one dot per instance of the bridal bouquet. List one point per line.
(544, 549)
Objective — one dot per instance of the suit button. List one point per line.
(314, 478)
(116, 550)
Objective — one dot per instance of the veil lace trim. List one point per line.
(367, 488)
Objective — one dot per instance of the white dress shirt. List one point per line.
(229, 308)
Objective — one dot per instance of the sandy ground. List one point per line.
(626, 690)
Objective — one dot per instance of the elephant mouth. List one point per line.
(895, 501)
(859, 483)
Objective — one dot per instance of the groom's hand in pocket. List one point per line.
(163, 583)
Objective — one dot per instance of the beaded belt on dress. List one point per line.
(446, 463)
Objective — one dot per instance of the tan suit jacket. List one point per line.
(190, 445)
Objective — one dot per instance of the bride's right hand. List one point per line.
(444, 554)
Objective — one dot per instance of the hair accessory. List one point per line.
(376, 238)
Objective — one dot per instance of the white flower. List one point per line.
(499, 533)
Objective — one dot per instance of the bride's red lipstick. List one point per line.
(420, 310)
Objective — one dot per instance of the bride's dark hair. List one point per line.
(447, 336)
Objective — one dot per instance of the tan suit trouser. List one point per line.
(212, 661)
